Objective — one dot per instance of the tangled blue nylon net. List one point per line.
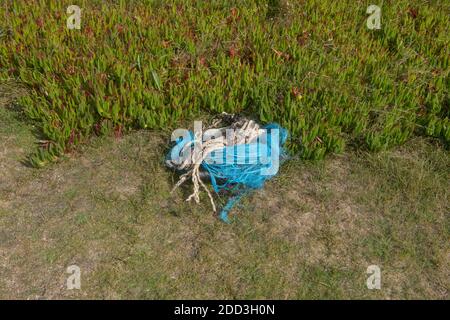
(242, 168)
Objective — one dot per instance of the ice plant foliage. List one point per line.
(312, 66)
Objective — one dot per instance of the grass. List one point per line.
(311, 233)
(312, 66)
(340, 89)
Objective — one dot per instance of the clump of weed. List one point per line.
(324, 75)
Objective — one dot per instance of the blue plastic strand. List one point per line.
(246, 171)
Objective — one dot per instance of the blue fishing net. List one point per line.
(239, 169)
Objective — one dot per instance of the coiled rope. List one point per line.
(238, 158)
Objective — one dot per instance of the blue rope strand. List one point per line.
(247, 169)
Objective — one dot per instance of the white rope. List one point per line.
(243, 132)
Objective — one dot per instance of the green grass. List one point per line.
(311, 65)
(311, 233)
